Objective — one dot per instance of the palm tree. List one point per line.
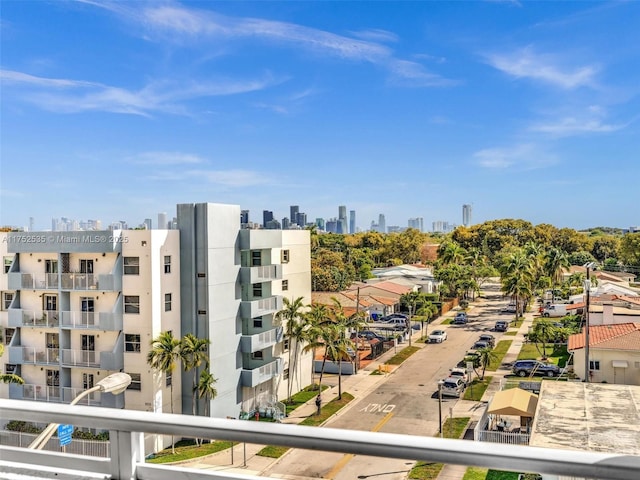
(314, 319)
(451, 252)
(9, 377)
(206, 389)
(517, 278)
(291, 315)
(163, 356)
(555, 261)
(194, 352)
(487, 355)
(337, 347)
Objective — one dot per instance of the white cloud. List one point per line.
(376, 35)
(159, 96)
(522, 157)
(165, 158)
(525, 63)
(592, 120)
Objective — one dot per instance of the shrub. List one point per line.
(21, 426)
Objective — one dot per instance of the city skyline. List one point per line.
(117, 110)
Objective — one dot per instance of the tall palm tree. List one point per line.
(206, 389)
(487, 355)
(517, 278)
(194, 352)
(555, 262)
(341, 340)
(451, 252)
(317, 316)
(11, 378)
(291, 315)
(163, 356)
(338, 347)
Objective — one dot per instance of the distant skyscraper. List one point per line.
(342, 219)
(147, 223)
(331, 225)
(267, 216)
(31, 222)
(286, 223)
(352, 221)
(382, 224)
(293, 213)
(302, 219)
(417, 223)
(162, 221)
(466, 215)
(244, 217)
(320, 223)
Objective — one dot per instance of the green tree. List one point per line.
(487, 355)
(205, 389)
(556, 261)
(517, 278)
(314, 319)
(194, 352)
(543, 332)
(630, 249)
(291, 315)
(163, 357)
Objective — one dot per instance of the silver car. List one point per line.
(452, 387)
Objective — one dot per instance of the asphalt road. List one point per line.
(406, 402)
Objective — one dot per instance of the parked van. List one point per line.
(557, 310)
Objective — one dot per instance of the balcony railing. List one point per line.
(33, 281)
(127, 452)
(79, 281)
(263, 273)
(34, 356)
(90, 358)
(260, 307)
(108, 321)
(34, 318)
(40, 393)
(260, 341)
(256, 376)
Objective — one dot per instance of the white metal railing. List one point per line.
(79, 281)
(78, 319)
(33, 355)
(81, 358)
(92, 448)
(127, 453)
(37, 281)
(39, 318)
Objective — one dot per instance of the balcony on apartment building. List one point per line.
(106, 321)
(262, 306)
(33, 318)
(22, 355)
(127, 429)
(256, 376)
(92, 359)
(90, 281)
(57, 394)
(32, 281)
(259, 274)
(260, 341)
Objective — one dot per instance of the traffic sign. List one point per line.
(64, 434)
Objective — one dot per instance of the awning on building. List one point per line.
(514, 401)
(620, 364)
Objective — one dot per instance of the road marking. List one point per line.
(378, 407)
(346, 458)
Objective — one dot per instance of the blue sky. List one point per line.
(121, 110)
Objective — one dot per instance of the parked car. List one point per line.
(437, 336)
(524, 368)
(511, 308)
(490, 339)
(452, 387)
(460, 319)
(501, 326)
(398, 323)
(480, 344)
(459, 372)
(472, 357)
(367, 335)
(397, 315)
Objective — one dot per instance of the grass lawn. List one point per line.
(402, 355)
(516, 323)
(555, 353)
(475, 473)
(452, 428)
(476, 389)
(189, 451)
(314, 420)
(446, 321)
(511, 332)
(500, 351)
(500, 475)
(302, 397)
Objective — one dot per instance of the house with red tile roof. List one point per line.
(614, 353)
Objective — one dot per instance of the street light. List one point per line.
(587, 289)
(440, 383)
(115, 383)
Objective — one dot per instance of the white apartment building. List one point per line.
(78, 306)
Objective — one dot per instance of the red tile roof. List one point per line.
(392, 287)
(622, 336)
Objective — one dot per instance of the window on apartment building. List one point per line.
(8, 335)
(257, 323)
(257, 290)
(636, 364)
(167, 302)
(131, 304)
(53, 378)
(285, 256)
(594, 364)
(256, 258)
(86, 266)
(7, 263)
(87, 381)
(50, 266)
(285, 345)
(168, 379)
(285, 374)
(132, 342)
(136, 382)
(285, 285)
(131, 265)
(7, 298)
(167, 264)
(10, 368)
(257, 355)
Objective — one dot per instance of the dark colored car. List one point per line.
(460, 319)
(501, 326)
(490, 339)
(480, 344)
(524, 368)
(368, 335)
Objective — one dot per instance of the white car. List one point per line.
(437, 336)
